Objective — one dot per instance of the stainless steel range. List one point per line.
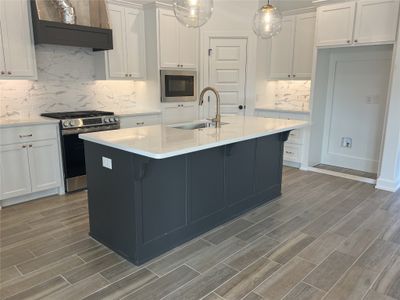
(71, 125)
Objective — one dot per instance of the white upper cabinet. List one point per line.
(376, 21)
(282, 50)
(17, 48)
(353, 23)
(304, 46)
(335, 24)
(292, 49)
(177, 44)
(127, 59)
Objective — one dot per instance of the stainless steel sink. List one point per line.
(196, 125)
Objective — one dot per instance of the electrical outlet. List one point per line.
(347, 142)
(107, 163)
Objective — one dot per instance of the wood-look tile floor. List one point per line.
(324, 238)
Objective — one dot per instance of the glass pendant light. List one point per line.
(193, 13)
(267, 21)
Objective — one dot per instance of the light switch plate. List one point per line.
(107, 162)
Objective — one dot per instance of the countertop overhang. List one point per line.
(163, 141)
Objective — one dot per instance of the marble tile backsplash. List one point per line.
(289, 94)
(66, 81)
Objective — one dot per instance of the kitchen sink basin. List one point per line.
(196, 125)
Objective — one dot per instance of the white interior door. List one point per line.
(227, 73)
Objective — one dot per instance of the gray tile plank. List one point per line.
(28, 281)
(373, 295)
(227, 231)
(253, 296)
(51, 257)
(290, 248)
(388, 282)
(259, 229)
(358, 241)
(304, 291)
(93, 253)
(92, 267)
(320, 249)
(178, 257)
(212, 255)
(212, 296)
(164, 285)
(378, 255)
(251, 253)
(118, 271)
(80, 289)
(353, 285)
(125, 286)
(42, 290)
(330, 270)
(283, 280)
(203, 284)
(248, 279)
(9, 274)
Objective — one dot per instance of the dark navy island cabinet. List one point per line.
(143, 207)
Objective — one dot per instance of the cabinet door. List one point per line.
(117, 56)
(171, 114)
(188, 38)
(335, 24)
(169, 39)
(2, 62)
(44, 165)
(19, 51)
(376, 21)
(179, 113)
(188, 112)
(304, 46)
(14, 171)
(282, 50)
(135, 43)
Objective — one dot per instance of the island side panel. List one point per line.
(111, 198)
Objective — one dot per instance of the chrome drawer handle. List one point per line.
(25, 136)
(288, 152)
(140, 123)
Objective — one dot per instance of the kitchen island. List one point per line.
(153, 188)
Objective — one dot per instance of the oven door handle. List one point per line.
(90, 129)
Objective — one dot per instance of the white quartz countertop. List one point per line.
(162, 141)
(28, 121)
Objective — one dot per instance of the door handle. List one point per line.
(240, 107)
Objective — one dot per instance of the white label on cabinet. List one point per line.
(107, 163)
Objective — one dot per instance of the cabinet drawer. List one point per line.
(292, 153)
(296, 137)
(22, 134)
(137, 121)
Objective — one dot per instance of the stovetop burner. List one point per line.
(77, 114)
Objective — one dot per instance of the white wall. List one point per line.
(389, 178)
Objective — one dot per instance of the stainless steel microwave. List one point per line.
(178, 86)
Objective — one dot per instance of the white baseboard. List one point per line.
(29, 197)
(388, 185)
(343, 175)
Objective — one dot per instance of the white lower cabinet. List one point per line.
(29, 163)
(15, 177)
(293, 149)
(179, 112)
(138, 121)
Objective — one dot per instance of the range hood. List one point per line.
(80, 23)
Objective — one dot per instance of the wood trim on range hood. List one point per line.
(57, 33)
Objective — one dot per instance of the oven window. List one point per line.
(74, 156)
(179, 86)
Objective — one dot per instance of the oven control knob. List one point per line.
(66, 124)
(112, 119)
(116, 119)
(71, 123)
(106, 120)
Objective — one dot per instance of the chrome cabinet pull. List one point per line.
(140, 123)
(25, 136)
(2, 72)
(23, 146)
(9, 73)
